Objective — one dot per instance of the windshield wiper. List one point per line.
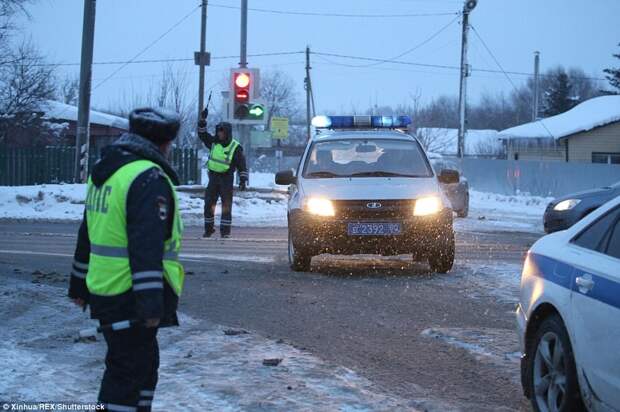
(323, 173)
(382, 174)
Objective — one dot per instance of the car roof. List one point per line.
(329, 135)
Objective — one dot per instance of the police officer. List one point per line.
(126, 260)
(225, 156)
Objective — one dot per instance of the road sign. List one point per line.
(279, 127)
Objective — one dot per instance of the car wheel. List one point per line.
(441, 259)
(465, 211)
(297, 258)
(551, 375)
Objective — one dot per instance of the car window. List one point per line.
(366, 158)
(613, 247)
(593, 236)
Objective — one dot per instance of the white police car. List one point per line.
(363, 186)
(569, 316)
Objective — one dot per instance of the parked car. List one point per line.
(568, 316)
(457, 193)
(565, 211)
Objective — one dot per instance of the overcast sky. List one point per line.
(567, 32)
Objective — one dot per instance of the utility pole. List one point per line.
(82, 137)
(536, 85)
(467, 8)
(202, 59)
(308, 88)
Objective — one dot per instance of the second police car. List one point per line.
(364, 187)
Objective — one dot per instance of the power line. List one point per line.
(507, 76)
(144, 50)
(414, 48)
(325, 14)
(169, 60)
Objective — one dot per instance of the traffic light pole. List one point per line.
(82, 137)
(244, 130)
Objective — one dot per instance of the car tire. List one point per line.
(441, 259)
(550, 371)
(298, 259)
(465, 211)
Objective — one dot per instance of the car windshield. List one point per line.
(366, 158)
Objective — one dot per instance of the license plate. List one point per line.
(374, 229)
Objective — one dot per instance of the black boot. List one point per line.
(209, 231)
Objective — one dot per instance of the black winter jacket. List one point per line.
(150, 213)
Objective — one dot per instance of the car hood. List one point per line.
(601, 192)
(362, 188)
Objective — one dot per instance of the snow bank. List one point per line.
(588, 115)
(201, 368)
(66, 203)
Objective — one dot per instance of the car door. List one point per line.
(595, 305)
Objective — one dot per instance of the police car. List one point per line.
(365, 187)
(569, 316)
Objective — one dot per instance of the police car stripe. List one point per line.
(562, 274)
(147, 286)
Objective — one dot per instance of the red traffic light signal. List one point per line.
(242, 83)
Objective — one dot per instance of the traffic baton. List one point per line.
(116, 326)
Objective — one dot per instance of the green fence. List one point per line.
(55, 164)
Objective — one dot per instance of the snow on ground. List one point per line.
(488, 211)
(201, 367)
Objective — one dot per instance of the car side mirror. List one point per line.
(448, 176)
(285, 178)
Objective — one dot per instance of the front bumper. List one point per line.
(419, 235)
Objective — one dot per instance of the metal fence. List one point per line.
(536, 177)
(55, 164)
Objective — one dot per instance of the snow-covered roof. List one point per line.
(61, 111)
(588, 115)
(445, 141)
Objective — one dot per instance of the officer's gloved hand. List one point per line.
(202, 122)
(243, 185)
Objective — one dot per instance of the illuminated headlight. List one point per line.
(427, 206)
(320, 207)
(566, 205)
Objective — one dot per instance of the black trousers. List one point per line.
(130, 375)
(219, 187)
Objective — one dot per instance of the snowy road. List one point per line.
(381, 331)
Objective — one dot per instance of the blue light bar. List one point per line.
(361, 122)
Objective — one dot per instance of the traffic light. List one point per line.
(243, 83)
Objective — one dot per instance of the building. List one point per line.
(587, 133)
(104, 128)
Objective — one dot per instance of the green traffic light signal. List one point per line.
(256, 112)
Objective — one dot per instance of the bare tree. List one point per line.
(68, 90)
(277, 90)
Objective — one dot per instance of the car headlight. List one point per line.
(320, 207)
(566, 205)
(427, 206)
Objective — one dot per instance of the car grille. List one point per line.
(358, 209)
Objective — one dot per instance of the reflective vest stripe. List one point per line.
(149, 274)
(79, 275)
(120, 408)
(222, 162)
(79, 265)
(148, 285)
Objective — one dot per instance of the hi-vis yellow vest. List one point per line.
(109, 273)
(221, 157)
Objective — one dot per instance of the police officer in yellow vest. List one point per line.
(126, 263)
(225, 156)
